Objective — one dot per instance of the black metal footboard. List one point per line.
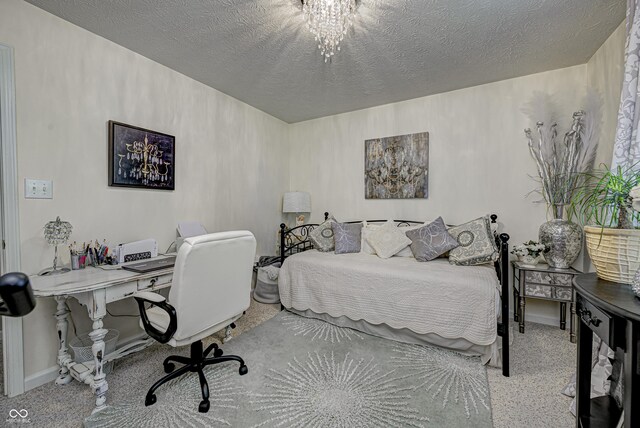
(502, 269)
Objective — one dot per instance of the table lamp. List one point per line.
(297, 202)
(56, 233)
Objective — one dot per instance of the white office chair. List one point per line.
(210, 290)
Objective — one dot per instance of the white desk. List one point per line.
(94, 288)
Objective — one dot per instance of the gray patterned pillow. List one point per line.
(477, 244)
(430, 241)
(322, 236)
(347, 237)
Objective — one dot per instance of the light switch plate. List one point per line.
(38, 189)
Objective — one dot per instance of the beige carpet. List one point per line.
(542, 361)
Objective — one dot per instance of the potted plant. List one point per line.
(529, 252)
(604, 205)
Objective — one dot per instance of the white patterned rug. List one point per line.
(306, 372)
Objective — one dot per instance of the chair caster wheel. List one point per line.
(217, 353)
(243, 370)
(203, 407)
(150, 399)
(169, 367)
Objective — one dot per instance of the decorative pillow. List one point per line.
(406, 252)
(477, 244)
(388, 240)
(322, 236)
(367, 229)
(347, 237)
(429, 241)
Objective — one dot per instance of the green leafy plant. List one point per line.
(603, 199)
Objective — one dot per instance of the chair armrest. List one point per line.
(159, 301)
(150, 297)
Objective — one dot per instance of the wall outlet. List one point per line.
(38, 189)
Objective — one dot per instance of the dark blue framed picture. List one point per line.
(141, 158)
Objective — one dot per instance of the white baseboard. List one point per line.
(543, 319)
(40, 378)
(50, 374)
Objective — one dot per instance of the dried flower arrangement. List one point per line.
(561, 162)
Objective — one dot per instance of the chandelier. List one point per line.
(328, 21)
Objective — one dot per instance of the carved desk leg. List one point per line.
(99, 384)
(97, 308)
(227, 334)
(62, 325)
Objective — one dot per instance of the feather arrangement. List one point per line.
(560, 162)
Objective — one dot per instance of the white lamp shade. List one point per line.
(296, 202)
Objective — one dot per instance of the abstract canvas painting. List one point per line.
(140, 157)
(397, 167)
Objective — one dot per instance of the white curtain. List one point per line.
(626, 151)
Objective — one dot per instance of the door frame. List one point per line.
(12, 338)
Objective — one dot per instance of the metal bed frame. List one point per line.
(296, 240)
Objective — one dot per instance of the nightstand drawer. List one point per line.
(548, 278)
(599, 321)
(563, 293)
(538, 290)
(548, 292)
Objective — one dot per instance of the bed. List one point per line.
(456, 307)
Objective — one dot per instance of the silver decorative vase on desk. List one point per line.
(563, 239)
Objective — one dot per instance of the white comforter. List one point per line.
(430, 297)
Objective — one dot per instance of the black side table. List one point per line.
(544, 282)
(612, 312)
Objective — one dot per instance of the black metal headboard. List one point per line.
(296, 240)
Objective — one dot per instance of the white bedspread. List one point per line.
(430, 297)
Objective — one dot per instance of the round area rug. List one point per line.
(306, 372)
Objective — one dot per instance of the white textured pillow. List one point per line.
(367, 229)
(388, 240)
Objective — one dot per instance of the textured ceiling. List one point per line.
(261, 52)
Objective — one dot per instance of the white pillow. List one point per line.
(388, 240)
(366, 231)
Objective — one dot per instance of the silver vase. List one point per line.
(564, 240)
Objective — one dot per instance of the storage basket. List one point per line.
(266, 290)
(615, 253)
(81, 347)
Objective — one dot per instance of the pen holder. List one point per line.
(78, 261)
(75, 262)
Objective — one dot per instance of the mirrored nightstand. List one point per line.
(545, 283)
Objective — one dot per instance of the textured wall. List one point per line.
(479, 162)
(69, 82)
(605, 72)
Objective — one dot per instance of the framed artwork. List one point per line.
(140, 157)
(397, 167)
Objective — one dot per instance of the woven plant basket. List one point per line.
(614, 252)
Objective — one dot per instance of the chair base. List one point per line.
(196, 362)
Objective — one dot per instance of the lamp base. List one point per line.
(51, 271)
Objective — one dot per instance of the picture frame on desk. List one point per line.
(140, 158)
